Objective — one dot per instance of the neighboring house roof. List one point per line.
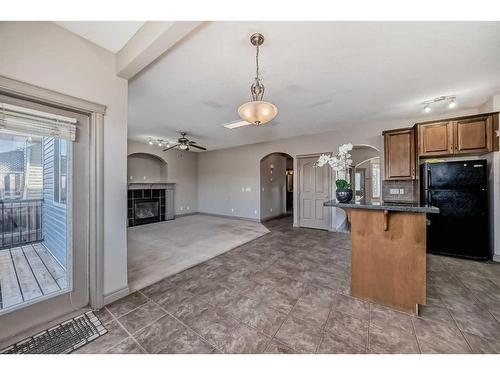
(12, 161)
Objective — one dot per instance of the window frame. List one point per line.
(57, 174)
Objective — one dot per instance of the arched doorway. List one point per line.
(364, 174)
(365, 178)
(276, 186)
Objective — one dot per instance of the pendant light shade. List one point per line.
(257, 111)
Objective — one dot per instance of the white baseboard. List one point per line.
(186, 214)
(116, 295)
(274, 217)
(230, 217)
(496, 258)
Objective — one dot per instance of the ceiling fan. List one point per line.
(184, 144)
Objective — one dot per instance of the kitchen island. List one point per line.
(388, 261)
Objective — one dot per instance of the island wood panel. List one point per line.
(389, 266)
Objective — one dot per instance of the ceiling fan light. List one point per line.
(258, 112)
(183, 147)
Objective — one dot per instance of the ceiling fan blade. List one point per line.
(171, 147)
(236, 124)
(192, 142)
(200, 147)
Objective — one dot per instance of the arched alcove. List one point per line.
(144, 167)
(276, 185)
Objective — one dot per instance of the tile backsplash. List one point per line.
(400, 191)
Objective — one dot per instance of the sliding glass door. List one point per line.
(44, 190)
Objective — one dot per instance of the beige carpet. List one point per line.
(158, 250)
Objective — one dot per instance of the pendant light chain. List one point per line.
(257, 64)
(257, 88)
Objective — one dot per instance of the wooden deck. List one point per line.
(28, 272)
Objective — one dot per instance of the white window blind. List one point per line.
(30, 121)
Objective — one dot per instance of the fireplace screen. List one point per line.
(146, 210)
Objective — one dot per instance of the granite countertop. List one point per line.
(385, 206)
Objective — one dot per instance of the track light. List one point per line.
(449, 98)
(150, 142)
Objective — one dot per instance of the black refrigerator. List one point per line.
(459, 190)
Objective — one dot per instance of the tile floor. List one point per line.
(288, 292)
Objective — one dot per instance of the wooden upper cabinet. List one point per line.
(399, 152)
(435, 138)
(473, 135)
(470, 135)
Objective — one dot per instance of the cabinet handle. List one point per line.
(413, 172)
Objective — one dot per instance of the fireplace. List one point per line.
(150, 204)
(146, 211)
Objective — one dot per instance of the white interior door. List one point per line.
(56, 266)
(314, 190)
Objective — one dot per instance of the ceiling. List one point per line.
(111, 35)
(322, 76)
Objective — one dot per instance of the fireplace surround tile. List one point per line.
(136, 196)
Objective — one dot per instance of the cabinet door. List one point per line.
(473, 135)
(435, 138)
(399, 151)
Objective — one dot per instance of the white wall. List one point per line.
(44, 54)
(182, 169)
(272, 186)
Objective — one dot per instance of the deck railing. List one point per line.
(20, 222)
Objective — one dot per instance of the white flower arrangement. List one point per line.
(339, 162)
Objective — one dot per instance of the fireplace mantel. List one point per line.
(151, 185)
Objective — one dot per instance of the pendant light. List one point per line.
(257, 111)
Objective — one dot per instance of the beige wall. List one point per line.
(228, 179)
(272, 186)
(146, 168)
(182, 169)
(44, 54)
